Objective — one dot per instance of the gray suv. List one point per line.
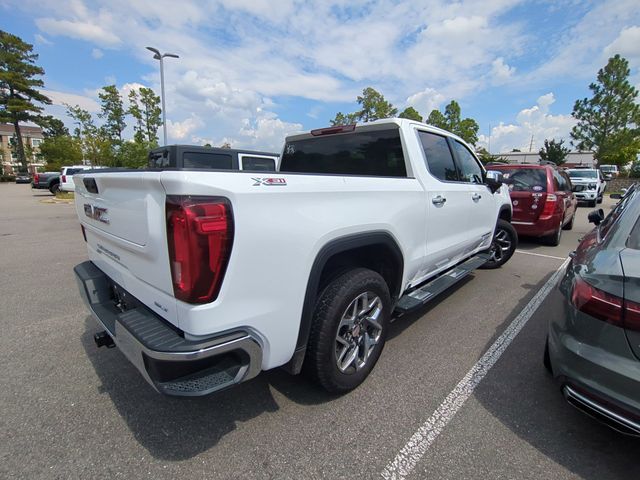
(593, 344)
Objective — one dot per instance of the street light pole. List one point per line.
(159, 56)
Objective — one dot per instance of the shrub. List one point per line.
(7, 178)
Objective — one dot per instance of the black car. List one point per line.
(593, 345)
(23, 178)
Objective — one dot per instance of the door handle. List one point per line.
(476, 197)
(438, 200)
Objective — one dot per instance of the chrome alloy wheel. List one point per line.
(500, 245)
(358, 332)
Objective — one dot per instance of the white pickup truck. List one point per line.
(205, 278)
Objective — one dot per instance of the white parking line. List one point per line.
(540, 255)
(408, 457)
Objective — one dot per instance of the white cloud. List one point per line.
(78, 29)
(97, 53)
(425, 101)
(501, 72)
(627, 44)
(61, 98)
(183, 130)
(41, 40)
(535, 123)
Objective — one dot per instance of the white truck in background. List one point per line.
(205, 278)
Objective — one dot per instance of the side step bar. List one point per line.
(421, 296)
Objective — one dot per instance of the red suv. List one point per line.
(542, 198)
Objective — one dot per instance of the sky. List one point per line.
(251, 72)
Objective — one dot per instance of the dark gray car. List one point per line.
(593, 346)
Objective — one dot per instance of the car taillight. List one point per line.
(549, 205)
(200, 236)
(36, 177)
(597, 303)
(632, 315)
(64, 178)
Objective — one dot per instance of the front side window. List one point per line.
(470, 170)
(438, 157)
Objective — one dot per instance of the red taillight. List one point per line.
(549, 206)
(200, 235)
(84, 233)
(597, 303)
(36, 177)
(64, 179)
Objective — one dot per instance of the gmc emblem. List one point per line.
(97, 213)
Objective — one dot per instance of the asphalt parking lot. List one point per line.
(69, 410)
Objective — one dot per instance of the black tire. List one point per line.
(599, 200)
(55, 188)
(500, 256)
(546, 361)
(322, 357)
(569, 226)
(554, 239)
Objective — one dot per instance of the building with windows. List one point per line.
(32, 138)
(573, 159)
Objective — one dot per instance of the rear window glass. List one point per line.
(583, 174)
(377, 152)
(525, 179)
(159, 159)
(438, 156)
(258, 163)
(206, 160)
(71, 171)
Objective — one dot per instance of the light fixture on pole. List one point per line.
(159, 56)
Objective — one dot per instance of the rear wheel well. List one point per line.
(376, 257)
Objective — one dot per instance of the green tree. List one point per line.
(609, 121)
(554, 152)
(97, 146)
(20, 98)
(53, 127)
(133, 154)
(466, 128)
(410, 113)
(145, 109)
(373, 106)
(113, 113)
(58, 151)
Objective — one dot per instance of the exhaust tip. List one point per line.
(103, 339)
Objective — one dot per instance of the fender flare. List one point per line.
(333, 247)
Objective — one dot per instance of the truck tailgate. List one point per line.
(123, 214)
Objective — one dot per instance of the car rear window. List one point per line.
(525, 179)
(71, 171)
(372, 152)
(259, 164)
(583, 174)
(203, 160)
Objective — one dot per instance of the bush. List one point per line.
(7, 178)
(634, 171)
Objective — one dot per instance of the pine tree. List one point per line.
(20, 98)
(609, 121)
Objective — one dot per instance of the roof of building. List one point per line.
(8, 129)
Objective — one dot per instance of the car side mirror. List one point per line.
(494, 180)
(616, 196)
(596, 216)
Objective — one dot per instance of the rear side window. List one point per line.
(377, 152)
(438, 157)
(207, 160)
(470, 171)
(259, 163)
(71, 171)
(525, 179)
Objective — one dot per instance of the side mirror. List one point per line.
(596, 216)
(494, 180)
(616, 196)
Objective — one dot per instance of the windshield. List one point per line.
(608, 168)
(583, 174)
